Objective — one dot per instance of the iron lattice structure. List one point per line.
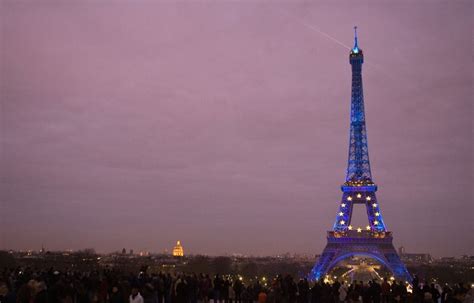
(373, 240)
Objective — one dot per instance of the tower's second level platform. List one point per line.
(359, 236)
(359, 186)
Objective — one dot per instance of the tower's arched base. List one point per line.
(379, 247)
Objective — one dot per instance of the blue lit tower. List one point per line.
(372, 240)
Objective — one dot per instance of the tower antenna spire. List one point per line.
(356, 46)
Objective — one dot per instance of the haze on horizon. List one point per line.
(225, 124)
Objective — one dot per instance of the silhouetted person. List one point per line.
(218, 285)
(116, 296)
(385, 290)
(303, 291)
(135, 296)
(238, 287)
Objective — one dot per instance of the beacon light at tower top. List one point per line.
(355, 49)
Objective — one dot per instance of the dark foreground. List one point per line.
(114, 286)
(86, 277)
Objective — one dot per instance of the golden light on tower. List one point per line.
(178, 250)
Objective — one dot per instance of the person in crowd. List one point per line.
(116, 296)
(135, 296)
(262, 297)
(230, 292)
(41, 293)
(342, 292)
(238, 287)
(386, 290)
(218, 284)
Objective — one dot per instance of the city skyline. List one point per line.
(131, 125)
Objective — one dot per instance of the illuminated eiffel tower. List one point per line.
(374, 240)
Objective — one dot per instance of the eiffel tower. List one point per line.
(374, 240)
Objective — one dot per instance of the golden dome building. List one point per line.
(178, 250)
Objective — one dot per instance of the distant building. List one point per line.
(414, 258)
(417, 258)
(178, 250)
(401, 250)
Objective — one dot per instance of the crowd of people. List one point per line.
(109, 286)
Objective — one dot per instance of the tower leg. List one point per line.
(322, 267)
(396, 265)
(342, 248)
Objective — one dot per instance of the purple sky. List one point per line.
(225, 125)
